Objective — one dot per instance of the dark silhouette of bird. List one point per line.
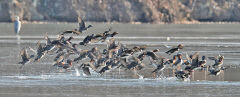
(75, 31)
(40, 52)
(82, 25)
(87, 40)
(25, 57)
(180, 46)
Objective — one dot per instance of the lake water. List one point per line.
(40, 79)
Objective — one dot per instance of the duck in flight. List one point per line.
(218, 61)
(25, 57)
(180, 46)
(75, 31)
(82, 25)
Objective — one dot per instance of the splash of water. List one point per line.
(140, 76)
(84, 74)
(187, 80)
(77, 72)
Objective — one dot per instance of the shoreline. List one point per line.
(179, 22)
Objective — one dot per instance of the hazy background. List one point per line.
(41, 79)
(127, 11)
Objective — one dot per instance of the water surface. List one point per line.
(39, 79)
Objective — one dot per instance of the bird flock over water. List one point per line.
(69, 55)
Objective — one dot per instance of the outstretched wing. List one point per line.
(86, 39)
(40, 48)
(153, 55)
(48, 41)
(67, 32)
(23, 54)
(212, 58)
(188, 58)
(81, 24)
(111, 43)
(195, 59)
(196, 54)
(33, 50)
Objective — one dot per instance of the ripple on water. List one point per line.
(71, 79)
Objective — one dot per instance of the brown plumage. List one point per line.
(25, 58)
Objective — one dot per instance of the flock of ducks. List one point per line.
(115, 55)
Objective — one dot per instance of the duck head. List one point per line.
(180, 46)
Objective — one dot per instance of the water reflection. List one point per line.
(18, 39)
